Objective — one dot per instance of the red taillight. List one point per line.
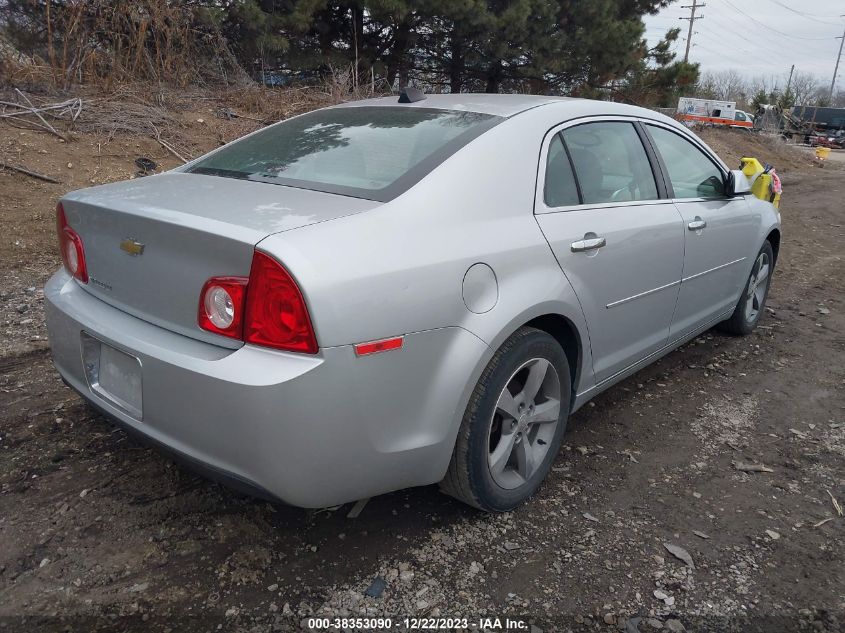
(70, 246)
(267, 309)
(221, 308)
(276, 314)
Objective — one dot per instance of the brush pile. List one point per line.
(26, 114)
(161, 112)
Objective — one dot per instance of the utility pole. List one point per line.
(836, 68)
(692, 18)
(789, 82)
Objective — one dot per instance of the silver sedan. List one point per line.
(393, 293)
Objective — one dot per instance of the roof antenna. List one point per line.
(410, 95)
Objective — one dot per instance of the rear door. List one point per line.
(617, 237)
(719, 231)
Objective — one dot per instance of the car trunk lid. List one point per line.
(151, 243)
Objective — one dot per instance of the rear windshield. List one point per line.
(366, 152)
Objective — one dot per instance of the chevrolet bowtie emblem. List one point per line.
(132, 247)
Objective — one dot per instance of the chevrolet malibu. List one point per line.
(393, 293)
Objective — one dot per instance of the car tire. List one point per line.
(752, 301)
(482, 472)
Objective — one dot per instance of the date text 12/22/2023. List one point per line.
(492, 624)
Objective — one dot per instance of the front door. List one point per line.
(717, 230)
(620, 245)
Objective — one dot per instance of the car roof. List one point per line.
(504, 105)
(508, 105)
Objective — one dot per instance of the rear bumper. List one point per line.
(230, 480)
(311, 431)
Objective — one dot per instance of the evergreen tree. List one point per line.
(657, 79)
(760, 98)
(786, 100)
(541, 46)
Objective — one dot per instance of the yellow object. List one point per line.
(751, 167)
(761, 182)
(822, 153)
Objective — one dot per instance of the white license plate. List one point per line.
(113, 375)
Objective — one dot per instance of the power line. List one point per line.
(809, 16)
(706, 48)
(774, 51)
(782, 52)
(756, 70)
(692, 18)
(753, 42)
(764, 25)
(775, 48)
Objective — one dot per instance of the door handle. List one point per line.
(697, 224)
(588, 243)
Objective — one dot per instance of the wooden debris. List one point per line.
(170, 149)
(33, 110)
(752, 468)
(71, 108)
(226, 113)
(29, 172)
(357, 508)
(166, 145)
(836, 505)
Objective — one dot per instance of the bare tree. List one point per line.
(729, 85)
(805, 88)
(761, 84)
(706, 87)
(726, 85)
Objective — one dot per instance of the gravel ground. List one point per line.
(649, 520)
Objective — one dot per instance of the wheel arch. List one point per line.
(566, 333)
(569, 330)
(774, 239)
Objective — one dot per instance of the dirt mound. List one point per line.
(732, 145)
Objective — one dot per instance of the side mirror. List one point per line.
(737, 184)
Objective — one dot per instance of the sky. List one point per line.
(767, 40)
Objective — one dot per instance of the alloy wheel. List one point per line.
(757, 286)
(524, 423)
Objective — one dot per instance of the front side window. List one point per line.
(559, 189)
(610, 162)
(740, 116)
(691, 172)
(367, 152)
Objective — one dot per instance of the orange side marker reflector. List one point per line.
(374, 347)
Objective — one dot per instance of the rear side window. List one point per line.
(559, 189)
(610, 162)
(691, 172)
(366, 152)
